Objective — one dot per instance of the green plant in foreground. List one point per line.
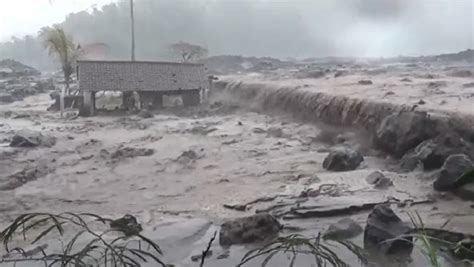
(124, 249)
(430, 245)
(297, 244)
(426, 241)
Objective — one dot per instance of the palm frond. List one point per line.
(295, 245)
(98, 250)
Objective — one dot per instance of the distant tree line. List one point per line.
(221, 27)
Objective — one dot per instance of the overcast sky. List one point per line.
(341, 27)
(21, 17)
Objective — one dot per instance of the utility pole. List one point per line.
(132, 30)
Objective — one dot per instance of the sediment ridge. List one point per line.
(339, 110)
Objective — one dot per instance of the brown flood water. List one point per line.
(201, 160)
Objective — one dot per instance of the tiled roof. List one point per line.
(140, 76)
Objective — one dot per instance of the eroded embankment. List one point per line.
(392, 127)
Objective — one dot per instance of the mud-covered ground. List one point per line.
(177, 170)
(188, 164)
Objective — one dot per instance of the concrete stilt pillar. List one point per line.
(88, 109)
(126, 100)
(158, 101)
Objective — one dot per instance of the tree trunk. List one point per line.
(67, 81)
(132, 29)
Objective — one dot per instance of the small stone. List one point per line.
(224, 255)
(199, 256)
(421, 102)
(374, 177)
(365, 82)
(342, 158)
(310, 180)
(389, 93)
(275, 132)
(258, 130)
(239, 123)
(250, 229)
(128, 224)
(343, 229)
(145, 113)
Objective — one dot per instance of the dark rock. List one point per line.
(468, 85)
(258, 130)
(409, 163)
(406, 80)
(130, 152)
(250, 229)
(374, 177)
(237, 207)
(365, 82)
(343, 229)
(29, 138)
(433, 152)
(462, 73)
(421, 102)
(386, 232)
(275, 132)
(312, 74)
(6, 98)
(128, 224)
(379, 180)
(342, 158)
(398, 133)
(145, 113)
(198, 257)
(448, 178)
(437, 84)
(341, 73)
(389, 93)
(466, 192)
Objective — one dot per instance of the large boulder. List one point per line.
(343, 229)
(386, 232)
(29, 138)
(400, 132)
(449, 176)
(250, 229)
(433, 152)
(342, 158)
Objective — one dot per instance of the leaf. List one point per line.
(45, 232)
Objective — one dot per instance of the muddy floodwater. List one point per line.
(178, 170)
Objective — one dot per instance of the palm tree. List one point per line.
(61, 45)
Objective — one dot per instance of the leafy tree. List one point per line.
(188, 52)
(62, 47)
